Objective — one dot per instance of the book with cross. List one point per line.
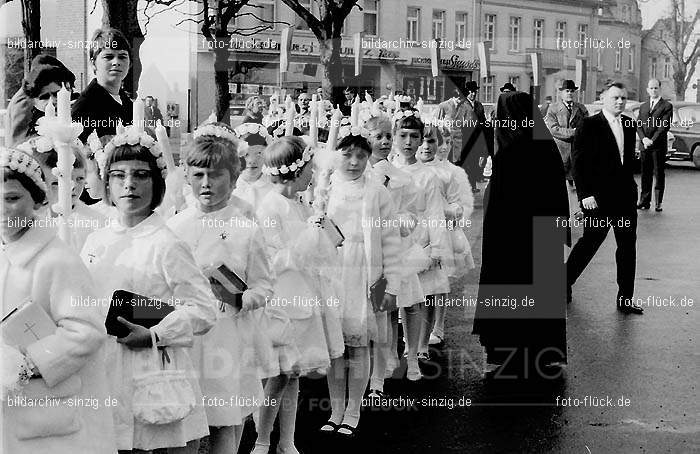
(26, 324)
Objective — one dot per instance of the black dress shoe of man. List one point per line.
(642, 206)
(627, 306)
(658, 208)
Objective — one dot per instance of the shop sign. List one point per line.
(453, 63)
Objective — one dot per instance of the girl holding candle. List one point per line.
(284, 219)
(138, 253)
(430, 210)
(404, 194)
(229, 356)
(369, 255)
(68, 364)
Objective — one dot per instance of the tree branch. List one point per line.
(314, 24)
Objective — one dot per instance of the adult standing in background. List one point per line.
(447, 112)
(654, 122)
(603, 167)
(562, 119)
(474, 127)
(103, 103)
(46, 76)
(253, 112)
(151, 112)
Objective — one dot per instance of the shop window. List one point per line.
(461, 27)
(413, 24)
(560, 32)
(582, 34)
(653, 68)
(490, 29)
(618, 58)
(630, 59)
(370, 17)
(438, 24)
(515, 33)
(538, 29)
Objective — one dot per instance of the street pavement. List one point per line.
(644, 369)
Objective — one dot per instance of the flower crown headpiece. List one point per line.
(21, 162)
(293, 167)
(353, 130)
(130, 136)
(399, 114)
(402, 98)
(252, 128)
(221, 132)
(43, 144)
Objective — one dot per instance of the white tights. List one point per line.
(354, 380)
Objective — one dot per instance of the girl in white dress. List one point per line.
(284, 221)
(404, 195)
(140, 254)
(64, 366)
(222, 230)
(252, 185)
(432, 233)
(368, 254)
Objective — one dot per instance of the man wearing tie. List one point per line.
(603, 169)
(562, 119)
(477, 135)
(654, 123)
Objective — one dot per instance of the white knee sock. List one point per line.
(288, 414)
(428, 312)
(358, 376)
(412, 324)
(274, 390)
(337, 383)
(440, 311)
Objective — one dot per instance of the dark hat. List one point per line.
(44, 70)
(471, 85)
(508, 86)
(568, 84)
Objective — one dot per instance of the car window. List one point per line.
(689, 115)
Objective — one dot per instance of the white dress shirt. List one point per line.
(616, 126)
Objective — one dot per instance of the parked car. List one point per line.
(686, 131)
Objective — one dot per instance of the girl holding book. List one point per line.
(369, 274)
(61, 362)
(222, 232)
(140, 254)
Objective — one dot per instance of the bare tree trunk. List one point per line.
(122, 15)
(223, 95)
(31, 25)
(331, 62)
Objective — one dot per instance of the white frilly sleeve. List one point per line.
(195, 304)
(258, 272)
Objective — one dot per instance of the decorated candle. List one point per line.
(333, 131)
(164, 142)
(289, 116)
(50, 110)
(313, 120)
(355, 112)
(139, 115)
(63, 105)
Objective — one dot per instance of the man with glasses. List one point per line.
(46, 77)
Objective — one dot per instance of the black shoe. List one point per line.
(642, 206)
(626, 306)
(347, 431)
(658, 208)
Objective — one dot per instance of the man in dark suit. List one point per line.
(603, 169)
(471, 113)
(151, 112)
(654, 122)
(562, 119)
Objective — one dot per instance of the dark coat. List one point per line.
(523, 243)
(655, 124)
(597, 169)
(97, 110)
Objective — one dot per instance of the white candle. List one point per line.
(355, 112)
(313, 120)
(368, 97)
(139, 115)
(63, 101)
(164, 141)
(333, 132)
(289, 117)
(50, 110)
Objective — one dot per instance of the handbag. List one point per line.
(161, 396)
(376, 293)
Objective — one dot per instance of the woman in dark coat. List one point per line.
(521, 316)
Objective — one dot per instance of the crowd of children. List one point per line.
(287, 258)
